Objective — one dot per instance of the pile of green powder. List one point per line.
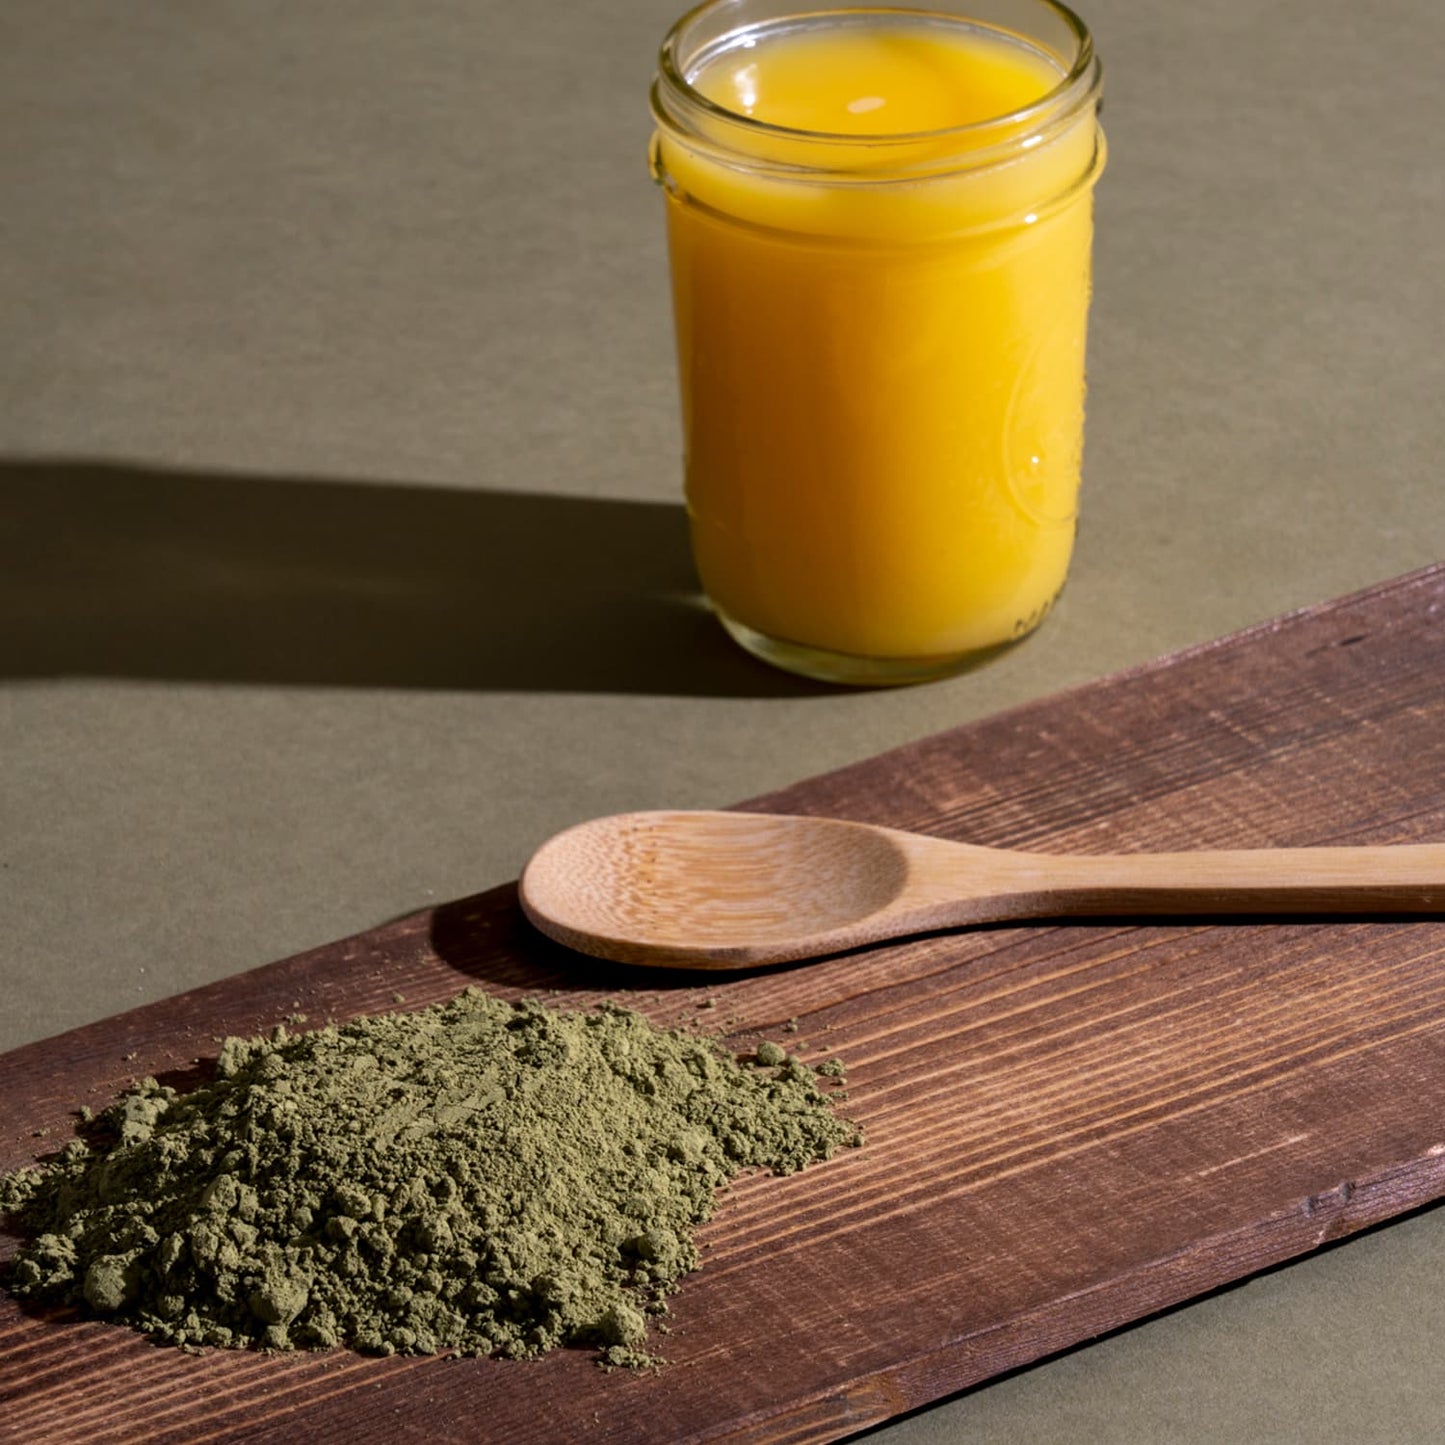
(478, 1176)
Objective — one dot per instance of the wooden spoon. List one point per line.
(726, 890)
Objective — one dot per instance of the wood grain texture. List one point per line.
(1070, 1125)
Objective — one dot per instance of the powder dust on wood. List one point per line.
(479, 1177)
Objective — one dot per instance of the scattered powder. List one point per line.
(477, 1176)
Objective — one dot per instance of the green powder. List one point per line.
(478, 1176)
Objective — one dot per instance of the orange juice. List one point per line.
(880, 227)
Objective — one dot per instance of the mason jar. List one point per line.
(880, 223)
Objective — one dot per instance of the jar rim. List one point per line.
(672, 82)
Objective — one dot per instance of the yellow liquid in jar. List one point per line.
(882, 382)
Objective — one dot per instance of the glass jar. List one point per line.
(880, 291)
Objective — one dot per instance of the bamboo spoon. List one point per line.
(727, 890)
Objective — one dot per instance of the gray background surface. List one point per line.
(341, 553)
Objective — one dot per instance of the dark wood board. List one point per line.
(1070, 1125)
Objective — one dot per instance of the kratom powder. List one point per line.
(477, 1176)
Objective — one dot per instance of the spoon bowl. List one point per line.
(731, 890)
(692, 888)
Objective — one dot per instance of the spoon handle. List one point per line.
(1402, 878)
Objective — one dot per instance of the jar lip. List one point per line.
(673, 79)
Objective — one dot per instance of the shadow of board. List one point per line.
(123, 571)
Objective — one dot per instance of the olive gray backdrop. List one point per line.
(341, 553)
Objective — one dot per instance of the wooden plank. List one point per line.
(1070, 1126)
